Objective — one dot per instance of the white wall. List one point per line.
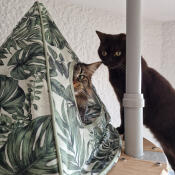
(168, 51)
(78, 25)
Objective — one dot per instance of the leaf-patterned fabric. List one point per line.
(40, 128)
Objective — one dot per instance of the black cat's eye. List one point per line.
(117, 53)
(104, 53)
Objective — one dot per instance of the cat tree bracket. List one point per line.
(133, 104)
(133, 100)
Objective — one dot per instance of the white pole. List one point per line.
(133, 99)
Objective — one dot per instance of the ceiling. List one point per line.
(161, 10)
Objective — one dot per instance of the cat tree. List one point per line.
(132, 159)
(133, 99)
(49, 133)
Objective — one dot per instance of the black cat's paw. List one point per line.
(120, 130)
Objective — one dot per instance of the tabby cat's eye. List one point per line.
(81, 77)
(104, 53)
(117, 53)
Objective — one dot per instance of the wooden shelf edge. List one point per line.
(131, 166)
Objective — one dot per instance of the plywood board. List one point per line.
(132, 166)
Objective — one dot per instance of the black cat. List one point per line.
(159, 95)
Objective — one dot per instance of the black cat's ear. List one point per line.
(101, 35)
(123, 36)
(93, 67)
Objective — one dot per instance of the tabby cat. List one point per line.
(83, 85)
(159, 95)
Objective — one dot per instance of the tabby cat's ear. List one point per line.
(93, 67)
(101, 35)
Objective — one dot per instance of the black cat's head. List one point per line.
(112, 49)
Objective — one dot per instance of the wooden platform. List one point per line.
(132, 166)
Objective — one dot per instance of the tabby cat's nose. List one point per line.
(76, 84)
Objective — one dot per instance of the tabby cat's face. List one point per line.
(82, 78)
(112, 49)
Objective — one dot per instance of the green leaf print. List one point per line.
(60, 90)
(61, 66)
(57, 87)
(105, 150)
(11, 95)
(5, 128)
(67, 122)
(26, 62)
(26, 31)
(53, 35)
(52, 52)
(3, 53)
(30, 150)
(5, 124)
(58, 62)
(31, 19)
(52, 68)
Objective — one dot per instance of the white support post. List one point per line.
(133, 99)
